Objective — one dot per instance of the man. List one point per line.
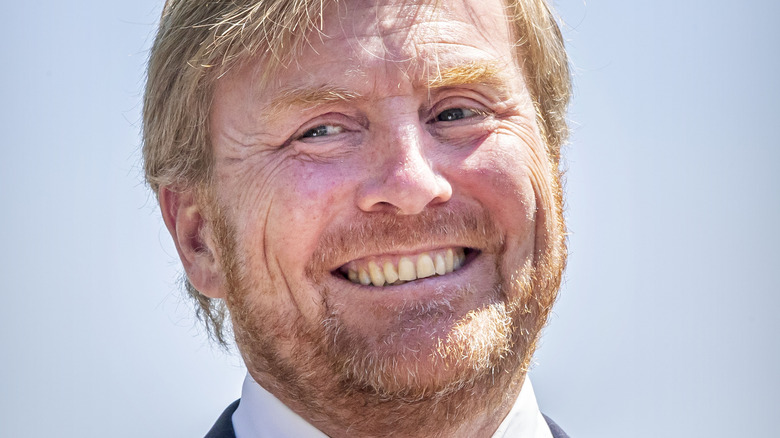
(370, 190)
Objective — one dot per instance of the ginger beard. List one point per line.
(432, 362)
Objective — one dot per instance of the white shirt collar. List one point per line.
(525, 419)
(261, 415)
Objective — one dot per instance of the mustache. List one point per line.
(381, 232)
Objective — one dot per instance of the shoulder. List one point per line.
(556, 430)
(223, 428)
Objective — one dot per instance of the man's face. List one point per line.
(388, 205)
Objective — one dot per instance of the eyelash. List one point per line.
(315, 131)
(475, 112)
(333, 124)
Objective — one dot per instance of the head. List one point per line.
(371, 188)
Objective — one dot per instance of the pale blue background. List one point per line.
(668, 322)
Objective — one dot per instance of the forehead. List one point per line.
(400, 30)
(385, 42)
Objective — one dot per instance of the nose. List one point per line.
(405, 179)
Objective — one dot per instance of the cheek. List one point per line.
(279, 216)
(498, 177)
(509, 178)
(309, 198)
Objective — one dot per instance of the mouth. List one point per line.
(385, 271)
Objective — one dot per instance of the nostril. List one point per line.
(385, 206)
(407, 198)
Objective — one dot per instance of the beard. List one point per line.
(436, 366)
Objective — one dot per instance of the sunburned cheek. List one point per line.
(530, 154)
(314, 188)
(305, 206)
(542, 189)
(510, 193)
(499, 177)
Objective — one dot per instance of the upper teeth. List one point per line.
(380, 272)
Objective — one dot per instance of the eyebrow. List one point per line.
(308, 97)
(486, 73)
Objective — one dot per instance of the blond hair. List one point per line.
(198, 41)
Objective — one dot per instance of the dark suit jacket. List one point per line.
(223, 428)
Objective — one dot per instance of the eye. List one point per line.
(322, 131)
(455, 114)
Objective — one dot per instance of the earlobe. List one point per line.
(185, 220)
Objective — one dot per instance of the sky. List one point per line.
(667, 321)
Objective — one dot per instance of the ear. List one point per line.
(185, 219)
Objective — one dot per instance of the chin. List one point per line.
(433, 359)
(462, 342)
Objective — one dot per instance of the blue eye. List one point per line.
(453, 114)
(322, 131)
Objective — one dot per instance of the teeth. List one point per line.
(406, 269)
(457, 261)
(426, 265)
(441, 266)
(390, 275)
(364, 278)
(376, 274)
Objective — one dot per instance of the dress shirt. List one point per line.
(261, 415)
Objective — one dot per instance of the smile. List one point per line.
(392, 271)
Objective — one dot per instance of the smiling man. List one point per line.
(368, 190)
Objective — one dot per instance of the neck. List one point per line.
(474, 410)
